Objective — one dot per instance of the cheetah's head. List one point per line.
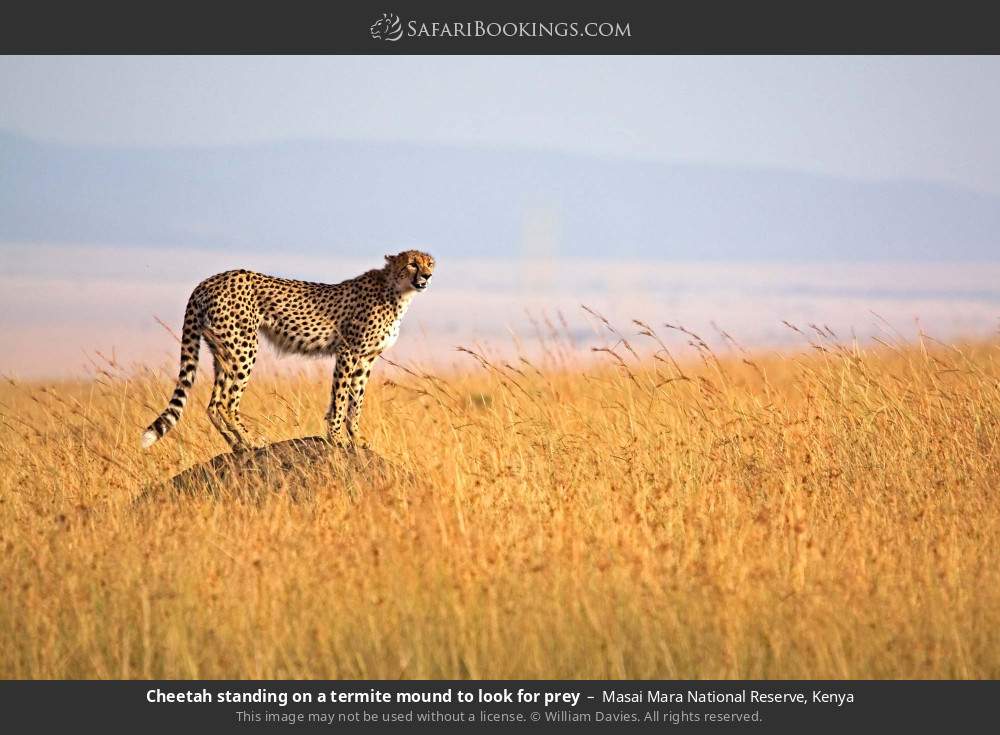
(410, 270)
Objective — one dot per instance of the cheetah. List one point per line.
(354, 321)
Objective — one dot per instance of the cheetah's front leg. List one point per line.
(338, 399)
(356, 398)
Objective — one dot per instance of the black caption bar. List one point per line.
(775, 706)
(512, 27)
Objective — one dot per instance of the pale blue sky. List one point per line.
(934, 118)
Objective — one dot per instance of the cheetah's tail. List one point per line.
(190, 343)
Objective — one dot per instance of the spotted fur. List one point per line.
(353, 321)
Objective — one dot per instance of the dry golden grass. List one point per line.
(831, 514)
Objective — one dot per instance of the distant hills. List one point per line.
(360, 197)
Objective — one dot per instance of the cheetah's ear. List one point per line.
(388, 258)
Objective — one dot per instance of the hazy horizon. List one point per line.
(62, 305)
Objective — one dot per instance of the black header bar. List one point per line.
(514, 27)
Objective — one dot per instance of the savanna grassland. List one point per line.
(827, 513)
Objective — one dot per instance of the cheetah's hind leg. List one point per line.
(232, 373)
